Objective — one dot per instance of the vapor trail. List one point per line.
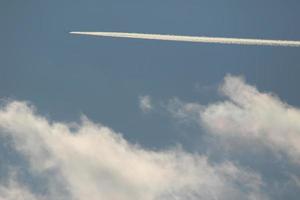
(219, 40)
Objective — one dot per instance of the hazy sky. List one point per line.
(227, 114)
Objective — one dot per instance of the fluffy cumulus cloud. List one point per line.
(253, 128)
(91, 161)
(250, 114)
(86, 160)
(253, 116)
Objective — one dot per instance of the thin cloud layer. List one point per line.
(91, 161)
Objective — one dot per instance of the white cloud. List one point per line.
(10, 189)
(145, 103)
(16, 192)
(91, 161)
(184, 111)
(249, 116)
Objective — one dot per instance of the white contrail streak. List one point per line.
(219, 40)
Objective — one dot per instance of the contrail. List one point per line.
(202, 39)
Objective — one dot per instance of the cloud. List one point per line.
(14, 191)
(253, 128)
(247, 115)
(91, 161)
(256, 116)
(145, 103)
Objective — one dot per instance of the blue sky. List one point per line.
(66, 76)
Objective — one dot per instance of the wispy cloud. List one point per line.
(91, 161)
(15, 191)
(180, 38)
(145, 103)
